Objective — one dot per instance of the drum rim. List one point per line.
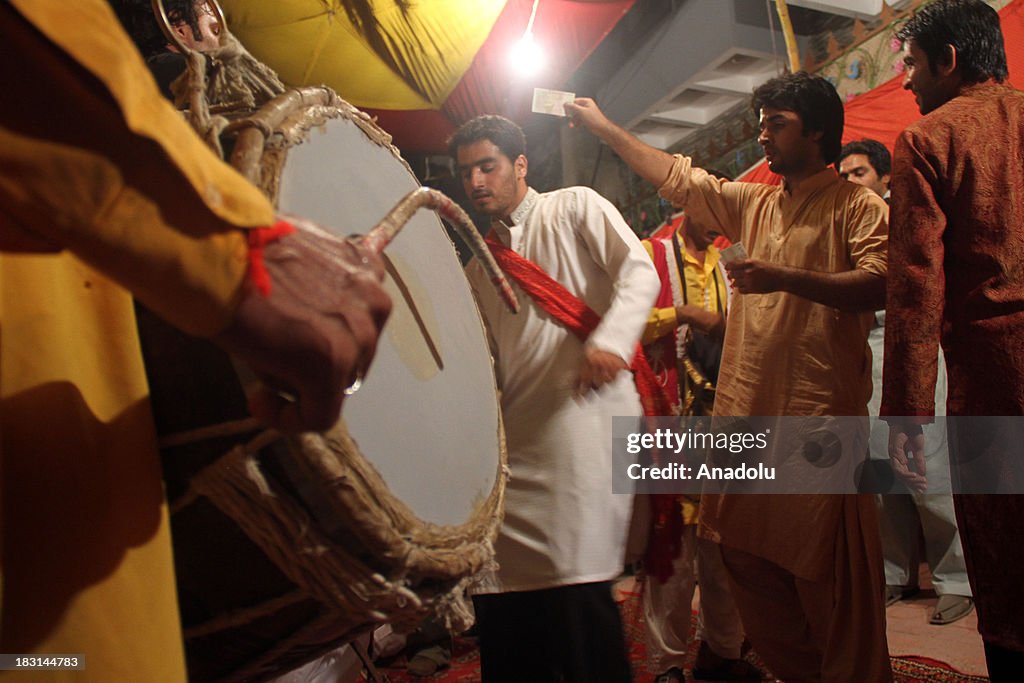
(289, 118)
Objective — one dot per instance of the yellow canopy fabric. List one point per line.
(377, 54)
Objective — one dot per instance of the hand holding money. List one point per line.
(752, 276)
(551, 101)
(584, 111)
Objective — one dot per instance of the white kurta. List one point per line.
(563, 524)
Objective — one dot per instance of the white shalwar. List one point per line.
(563, 525)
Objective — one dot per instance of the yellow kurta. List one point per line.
(705, 288)
(99, 171)
(700, 279)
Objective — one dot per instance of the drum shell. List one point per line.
(249, 611)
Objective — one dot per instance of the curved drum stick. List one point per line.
(382, 234)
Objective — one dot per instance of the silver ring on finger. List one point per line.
(354, 387)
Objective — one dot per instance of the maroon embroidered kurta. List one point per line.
(956, 273)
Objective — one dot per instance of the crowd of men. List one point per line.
(123, 200)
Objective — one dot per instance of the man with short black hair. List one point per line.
(806, 569)
(548, 612)
(957, 275)
(866, 162)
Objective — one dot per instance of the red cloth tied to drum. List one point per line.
(258, 239)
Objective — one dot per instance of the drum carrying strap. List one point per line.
(577, 316)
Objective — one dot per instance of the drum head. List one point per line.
(426, 416)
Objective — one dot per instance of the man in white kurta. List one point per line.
(547, 611)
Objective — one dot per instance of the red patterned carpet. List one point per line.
(465, 665)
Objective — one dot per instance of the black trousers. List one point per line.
(1004, 665)
(570, 633)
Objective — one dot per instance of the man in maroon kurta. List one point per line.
(956, 271)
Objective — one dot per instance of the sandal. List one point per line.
(711, 666)
(951, 608)
(894, 594)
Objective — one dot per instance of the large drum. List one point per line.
(286, 548)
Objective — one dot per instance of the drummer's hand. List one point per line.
(597, 369)
(583, 111)
(316, 333)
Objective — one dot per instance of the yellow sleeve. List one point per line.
(661, 321)
(690, 506)
(84, 46)
(75, 175)
(80, 202)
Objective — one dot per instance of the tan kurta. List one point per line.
(99, 171)
(785, 355)
(814, 609)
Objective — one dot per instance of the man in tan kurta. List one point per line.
(806, 569)
(104, 193)
(958, 277)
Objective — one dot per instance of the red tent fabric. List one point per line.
(882, 113)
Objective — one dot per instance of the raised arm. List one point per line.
(653, 165)
(712, 201)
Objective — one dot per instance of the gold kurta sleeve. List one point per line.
(869, 233)
(710, 200)
(96, 162)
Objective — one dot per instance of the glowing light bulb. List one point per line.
(527, 57)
